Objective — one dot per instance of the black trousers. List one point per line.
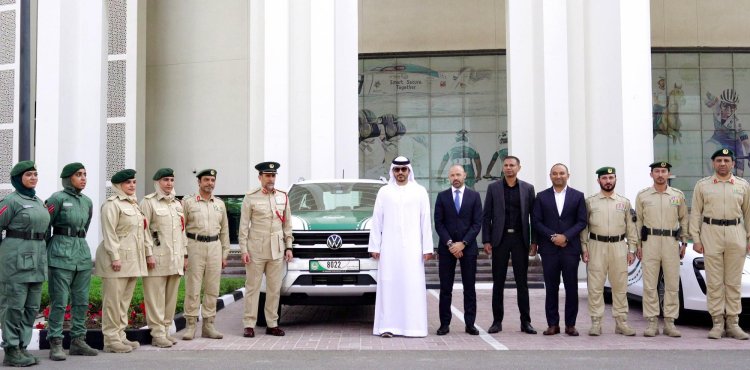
(555, 264)
(447, 272)
(511, 248)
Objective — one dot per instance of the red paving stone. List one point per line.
(350, 328)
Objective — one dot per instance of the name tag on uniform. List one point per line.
(65, 204)
(27, 206)
(675, 201)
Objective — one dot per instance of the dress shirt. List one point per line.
(560, 199)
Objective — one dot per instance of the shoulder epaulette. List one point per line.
(218, 198)
(741, 179)
(281, 191)
(253, 191)
(707, 178)
(592, 196)
(678, 191)
(644, 189)
(112, 197)
(150, 196)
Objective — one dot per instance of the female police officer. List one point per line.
(167, 226)
(121, 259)
(23, 262)
(69, 261)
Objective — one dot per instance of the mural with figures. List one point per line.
(437, 111)
(698, 108)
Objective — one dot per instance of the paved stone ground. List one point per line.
(350, 328)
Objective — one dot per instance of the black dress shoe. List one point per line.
(571, 330)
(472, 330)
(249, 333)
(443, 330)
(527, 328)
(495, 327)
(277, 331)
(552, 330)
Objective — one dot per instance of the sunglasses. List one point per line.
(400, 169)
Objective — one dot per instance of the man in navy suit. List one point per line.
(506, 234)
(458, 218)
(558, 218)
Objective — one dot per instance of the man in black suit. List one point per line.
(458, 218)
(506, 234)
(558, 218)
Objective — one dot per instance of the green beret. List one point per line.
(22, 167)
(723, 153)
(660, 165)
(70, 169)
(207, 172)
(605, 171)
(163, 172)
(267, 167)
(123, 176)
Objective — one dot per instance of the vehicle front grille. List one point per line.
(302, 252)
(318, 237)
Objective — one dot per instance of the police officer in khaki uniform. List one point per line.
(609, 245)
(265, 237)
(662, 222)
(207, 230)
(720, 228)
(121, 259)
(167, 228)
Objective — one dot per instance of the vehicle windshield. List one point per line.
(341, 196)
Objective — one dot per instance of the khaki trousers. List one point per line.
(254, 275)
(724, 255)
(204, 266)
(608, 259)
(160, 294)
(116, 296)
(661, 252)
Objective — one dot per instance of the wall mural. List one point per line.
(437, 111)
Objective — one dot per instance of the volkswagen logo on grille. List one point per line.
(334, 241)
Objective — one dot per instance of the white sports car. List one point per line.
(692, 283)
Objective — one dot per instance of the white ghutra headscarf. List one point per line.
(400, 161)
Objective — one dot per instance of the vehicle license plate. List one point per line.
(334, 265)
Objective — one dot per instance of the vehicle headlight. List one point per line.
(698, 264)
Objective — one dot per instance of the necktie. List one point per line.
(457, 201)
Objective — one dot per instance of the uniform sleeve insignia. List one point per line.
(51, 208)
(2, 210)
(620, 206)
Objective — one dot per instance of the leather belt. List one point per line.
(203, 238)
(27, 235)
(607, 239)
(715, 221)
(67, 231)
(510, 231)
(662, 232)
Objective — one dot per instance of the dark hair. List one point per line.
(518, 161)
(559, 164)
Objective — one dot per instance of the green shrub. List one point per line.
(226, 286)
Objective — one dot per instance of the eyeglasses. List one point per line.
(400, 169)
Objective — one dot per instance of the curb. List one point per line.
(39, 336)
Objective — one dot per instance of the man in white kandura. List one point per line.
(401, 241)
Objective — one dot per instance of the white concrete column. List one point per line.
(71, 96)
(302, 88)
(269, 85)
(346, 98)
(526, 102)
(618, 60)
(578, 165)
(556, 120)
